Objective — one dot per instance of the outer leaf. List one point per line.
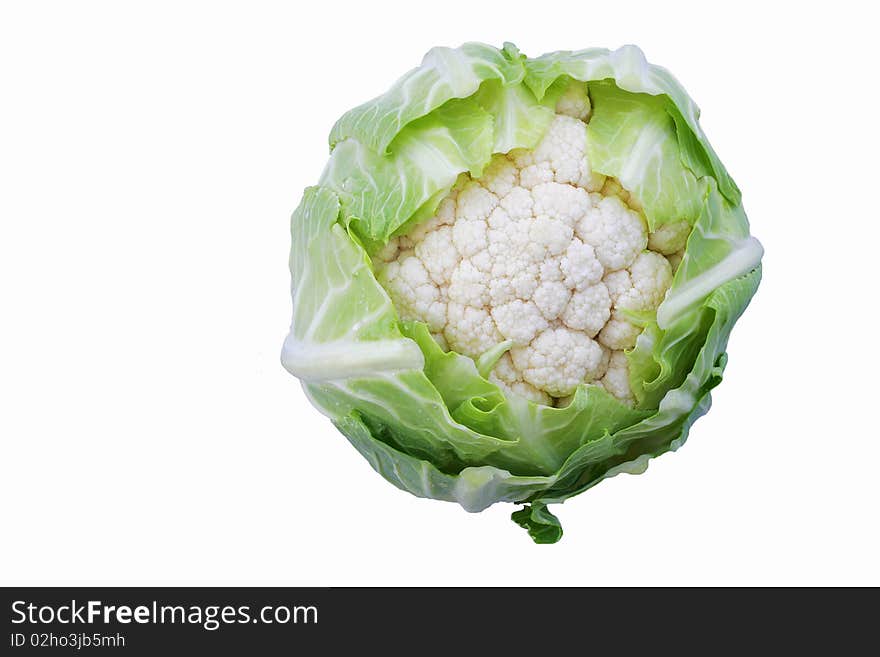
(444, 74)
(346, 346)
(475, 488)
(343, 321)
(404, 410)
(520, 120)
(719, 250)
(539, 438)
(395, 157)
(630, 71)
(380, 193)
(633, 138)
(668, 427)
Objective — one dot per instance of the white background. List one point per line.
(150, 156)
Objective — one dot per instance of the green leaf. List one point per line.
(629, 449)
(633, 138)
(537, 520)
(343, 321)
(444, 74)
(520, 120)
(381, 193)
(538, 438)
(474, 488)
(630, 71)
(719, 249)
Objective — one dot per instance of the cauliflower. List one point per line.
(540, 251)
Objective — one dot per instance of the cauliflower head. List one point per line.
(540, 253)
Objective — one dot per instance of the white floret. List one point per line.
(505, 371)
(421, 230)
(418, 297)
(438, 254)
(509, 277)
(519, 321)
(619, 333)
(475, 202)
(580, 266)
(518, 204)
(549, 234)
(616, 379)
(500, 177)
(470, 237)
(588, 310)
(640, 289)
(468, 286)
(651, 277)
(551, 269)
(560, 202)
(470, 330)
(617, 233)
(559, 359)
(525, 281)
(574, 101)
(560, 157)
(446, 209)
(509, 379)
(551, 298)
(530, 392)
(617, 282)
